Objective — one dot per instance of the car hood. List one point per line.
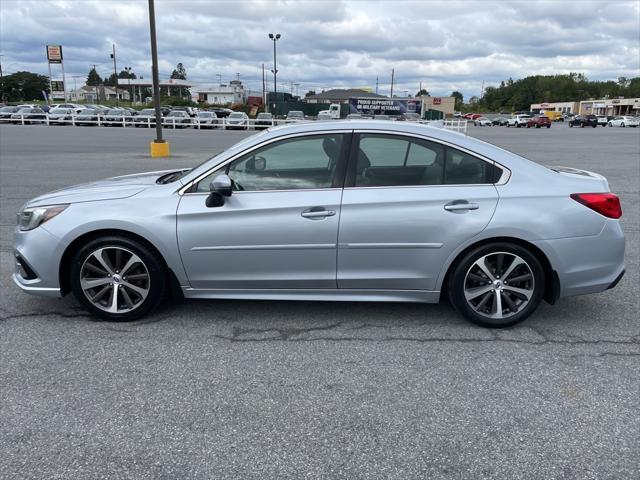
(107, 189)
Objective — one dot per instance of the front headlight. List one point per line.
(30, 218)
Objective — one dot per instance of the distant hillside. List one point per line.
(520, 94)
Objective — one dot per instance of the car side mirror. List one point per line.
(220, 187)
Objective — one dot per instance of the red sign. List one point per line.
(437, 100)
(54, 53)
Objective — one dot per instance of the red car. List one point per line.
(471, 116)
(539, 121)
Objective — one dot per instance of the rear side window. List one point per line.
(462, 168)
(391, 160)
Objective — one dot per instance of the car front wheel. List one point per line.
(497, 285)
(118, 278)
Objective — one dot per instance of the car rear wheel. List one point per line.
(117, 278)
(622, 125)
(497, 285)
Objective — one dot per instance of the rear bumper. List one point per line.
(589, 264)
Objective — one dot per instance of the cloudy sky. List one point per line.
(454, 45)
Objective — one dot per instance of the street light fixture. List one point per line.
(128, 70)
(275, 37)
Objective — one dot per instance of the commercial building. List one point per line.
(605, 106)
(446, 105)
(563, 107)
(137, 87)
(222, 94)
(97, 94)
(341, 95)
(611, 107)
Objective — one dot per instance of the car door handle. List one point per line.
(457, 206)
(317, 213)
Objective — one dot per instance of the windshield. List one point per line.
(147, 111)
(8, 109)
(177, 114)
(205, 114)
(236, 115)
(264, 115)
(295, 114)
(116, 111)
(24, 110)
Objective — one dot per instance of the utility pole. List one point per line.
(159, 147)
(238, 76)
(219, 77)
(275, 38)
(482, 92)
(376, 84)
(392, 74)
(115, 71)
(420, 89)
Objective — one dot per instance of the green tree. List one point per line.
(459, 99)
(93, 79)
(22, 86)
(422, 91)
(309, 93)
(179, 73)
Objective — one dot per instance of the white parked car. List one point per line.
(602, 120)
(237, 120)
(482, 122)
(624, 121)
(518, 121)
(207, 119)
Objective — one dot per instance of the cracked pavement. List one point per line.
(232, 389)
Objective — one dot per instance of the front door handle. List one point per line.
(318, 212)
(460, 205)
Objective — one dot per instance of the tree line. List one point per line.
(26, 86)
(516, 95)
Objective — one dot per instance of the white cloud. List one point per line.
(444, 45)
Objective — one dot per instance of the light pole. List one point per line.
(275, 37)
(159, 147)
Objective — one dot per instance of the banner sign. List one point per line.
(57, 86)
(54, 53)
(384, 106)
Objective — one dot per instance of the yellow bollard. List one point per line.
(159, 149)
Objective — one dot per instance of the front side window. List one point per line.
(298, 163)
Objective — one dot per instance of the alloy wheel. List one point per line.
(115, 279)
(499, 285)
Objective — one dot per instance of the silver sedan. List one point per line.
(348, 210)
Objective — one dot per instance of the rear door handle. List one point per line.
(318, 212)
(459, 205)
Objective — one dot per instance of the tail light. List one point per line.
(607, 204)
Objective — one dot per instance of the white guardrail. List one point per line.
(197, 123)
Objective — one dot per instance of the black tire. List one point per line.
(158, 277)
(570, 125)
(458, 276)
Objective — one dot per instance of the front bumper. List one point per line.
(40, 252)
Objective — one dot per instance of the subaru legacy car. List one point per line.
(345, 210)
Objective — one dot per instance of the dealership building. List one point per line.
(607, 106)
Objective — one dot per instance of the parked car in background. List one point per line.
(264, 120)
(539, 121)
(145, 118)
(584, 121)
(177, 119)
(207, 119)
(324, 116)
(518, 120)
(89, 116)
(409, 117)
(500, 121)
(295, 115)
(222, 112)
(237, 120)
(7, 112)
(603, 121)
(118, 117)
(623, 121)
(482, 122)
(274, 218)
(190, 110)
(61, 116)
(29, 115)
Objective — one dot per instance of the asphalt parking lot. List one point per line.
(231, 389)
